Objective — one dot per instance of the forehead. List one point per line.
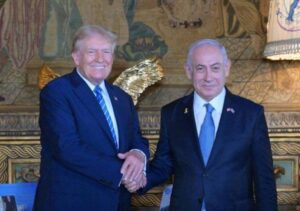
(207, 54)
(95, 41)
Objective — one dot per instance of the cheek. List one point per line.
(197, 78)
(109, 59)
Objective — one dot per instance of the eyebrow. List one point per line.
(91, 48)
(214, 64)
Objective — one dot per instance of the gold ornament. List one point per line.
(133, 80)
(136, 79)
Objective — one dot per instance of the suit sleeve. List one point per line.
(139, 142)
(60, 140)
(265, 187)
(160, 168)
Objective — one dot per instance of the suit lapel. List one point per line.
(189, 125)
(118, 111)
(84, 94)
(228, 115)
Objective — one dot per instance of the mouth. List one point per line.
(208, 86)
(98, 66)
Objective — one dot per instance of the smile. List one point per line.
(98, 66)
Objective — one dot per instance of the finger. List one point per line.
(124, 168)
(137, 169)
(137, 175)
(138, 179)
(122, 155)
(131, 187)
(130, 172)
(144, 181)
(132, 165)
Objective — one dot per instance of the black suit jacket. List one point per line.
(240, 159)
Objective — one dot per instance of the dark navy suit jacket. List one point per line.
(240, 159)
(79, 165)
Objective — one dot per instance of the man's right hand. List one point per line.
(134, 185)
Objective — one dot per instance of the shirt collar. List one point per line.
(90, 85)
(217, 102)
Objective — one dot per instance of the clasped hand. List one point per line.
(133, 170)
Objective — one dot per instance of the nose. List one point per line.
(207, 75)
(99, 56)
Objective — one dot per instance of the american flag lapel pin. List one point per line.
(230, 110)
(186, 110)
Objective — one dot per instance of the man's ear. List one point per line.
(227, 68)
(188, 71)
(75, 56)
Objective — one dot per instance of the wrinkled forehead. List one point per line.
(207, 54)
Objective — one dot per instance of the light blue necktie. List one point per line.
(101, 101)
(206, 137)
(207, 133)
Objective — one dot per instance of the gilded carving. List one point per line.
(283, 120)
(147, 200)
(18, 122)
(285, 148)
(10, 151)
(288, 197)
(29, 173)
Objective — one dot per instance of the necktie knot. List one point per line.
(98, 91)
(209, 108)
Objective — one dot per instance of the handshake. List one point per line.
(133, 170)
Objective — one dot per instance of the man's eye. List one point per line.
(107, 51)
(216, 69)
(91, 52)
(200, 69)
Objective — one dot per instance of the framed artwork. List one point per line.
(23, 170)
(287, 168)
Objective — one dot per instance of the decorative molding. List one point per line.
(149, 122)
(146, 200)
(288, 198)
(283, 119)
(12, 151)
(286, 148)
(23, 123)
(19, 124)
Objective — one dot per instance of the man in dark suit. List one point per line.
(214, 143)
(90, 136)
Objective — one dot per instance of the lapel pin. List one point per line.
(186, 110)
(115, 98)
(230, 110)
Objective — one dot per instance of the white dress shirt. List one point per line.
(200, 110)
